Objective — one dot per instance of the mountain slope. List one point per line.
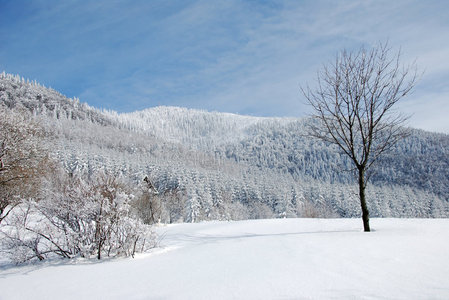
(225, 166)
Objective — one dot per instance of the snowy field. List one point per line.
(262, 259)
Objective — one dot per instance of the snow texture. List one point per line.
(258, 259)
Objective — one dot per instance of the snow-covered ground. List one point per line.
(262, 259)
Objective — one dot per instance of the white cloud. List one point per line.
(237, 56)
(294, 44)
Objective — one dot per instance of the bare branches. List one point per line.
(23, 157)
(353, 102)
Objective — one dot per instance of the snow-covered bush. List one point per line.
(77, 218)
(27, 234)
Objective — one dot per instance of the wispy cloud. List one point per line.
(237, 56)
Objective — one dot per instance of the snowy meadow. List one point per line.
(257, 259)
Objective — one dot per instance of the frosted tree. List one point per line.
(354, 105)
(23, 158)
(193, 208)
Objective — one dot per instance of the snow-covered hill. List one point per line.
(262, 259)
(226, 166)
(195, 128)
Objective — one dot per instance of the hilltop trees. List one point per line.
(354, 107)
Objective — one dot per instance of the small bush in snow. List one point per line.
(77, 218)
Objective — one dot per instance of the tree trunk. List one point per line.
(365, 212)
(100, 245)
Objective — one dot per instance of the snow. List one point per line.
(258, 259)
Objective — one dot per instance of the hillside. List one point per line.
(224, 166)
(258, 259)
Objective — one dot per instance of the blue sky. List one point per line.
(247, 57)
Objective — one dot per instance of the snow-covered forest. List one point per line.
(218, 166)
(197, 166)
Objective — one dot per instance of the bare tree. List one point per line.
(23, 158)
(354, 107)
